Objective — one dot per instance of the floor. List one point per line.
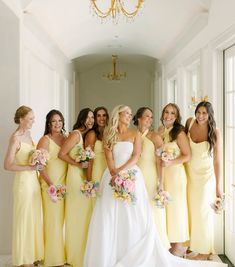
(5, 261)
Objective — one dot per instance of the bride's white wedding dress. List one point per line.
(123, 234)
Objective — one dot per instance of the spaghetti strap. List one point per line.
(191, 124)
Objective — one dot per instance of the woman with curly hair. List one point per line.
(205, 178)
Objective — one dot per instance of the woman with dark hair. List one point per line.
(27, 235)
(78, 208)
(149, 164)
(205, 178)
(54, 174)
(176, 144)
(94, 139)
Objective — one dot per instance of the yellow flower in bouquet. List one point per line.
(84, 155)
(166, 153)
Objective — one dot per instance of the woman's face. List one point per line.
(89, 120)
(56, 124)
(169, 116)
(125, 116)
(101, 118)
(27, 121)
(146, 119)
(202, 115)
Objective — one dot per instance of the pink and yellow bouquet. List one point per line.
(38, 157)
(123, 186)
(84, 155)
(218, 205)
(56, 192)
(90, 189)
(162, 199)
(166, 153)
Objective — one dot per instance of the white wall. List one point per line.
(33, 72)
(135, 90)
(206, 46)
(9, 99)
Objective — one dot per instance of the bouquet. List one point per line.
(218, 205)
(123, 186)
(166, 153)
(84, 155)
(56, 192)
(90, 189)
(162, 199)
(38, 157)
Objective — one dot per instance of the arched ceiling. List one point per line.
(160, 26)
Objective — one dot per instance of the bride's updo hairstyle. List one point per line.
(20, 113)
(111, 131)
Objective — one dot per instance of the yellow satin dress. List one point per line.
(147, 164)
(99, 164)
(175, 182)
(78, 210)
(27, 243)
(201, 193)
(53, 213)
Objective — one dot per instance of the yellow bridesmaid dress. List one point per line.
(99, 164)
(27, 243)
(201, 193)
(54, 212)
(175, 182)
(78, 210)
(147, 164)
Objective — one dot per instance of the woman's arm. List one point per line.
(183, 143)
(158, 143)
(90, 141)
(217, 161)
(44, 144)
(9, 161)
(69, 143)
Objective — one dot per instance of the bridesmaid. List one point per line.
(27, 243)
(78, 208)
(94, 139)
(175, 180)
(149, 164)
(205, 178)
(53, 174)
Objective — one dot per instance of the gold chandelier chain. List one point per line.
(131, 14)
(100, 12)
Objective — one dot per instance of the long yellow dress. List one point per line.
(201, 193)
(99, 164)
(54, 212)
(147, 164)
(175, 182)
(27, 243)
(78, 210)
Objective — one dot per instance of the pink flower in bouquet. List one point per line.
(123, 186)
(118, 181)
(38, 157)
(129, 185)
(166, 153)
(162, 198)
(56, 192)
(84, 155)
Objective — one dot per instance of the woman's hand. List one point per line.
(219, 192)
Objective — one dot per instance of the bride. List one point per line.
(123, 234)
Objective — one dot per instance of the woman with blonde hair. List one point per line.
(123, 234)
(27, 243)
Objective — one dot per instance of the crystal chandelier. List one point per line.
(115, 8)
(114, 75)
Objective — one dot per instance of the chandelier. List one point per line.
(115, 8)
(114, 75)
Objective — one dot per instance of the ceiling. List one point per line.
(160, 26)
